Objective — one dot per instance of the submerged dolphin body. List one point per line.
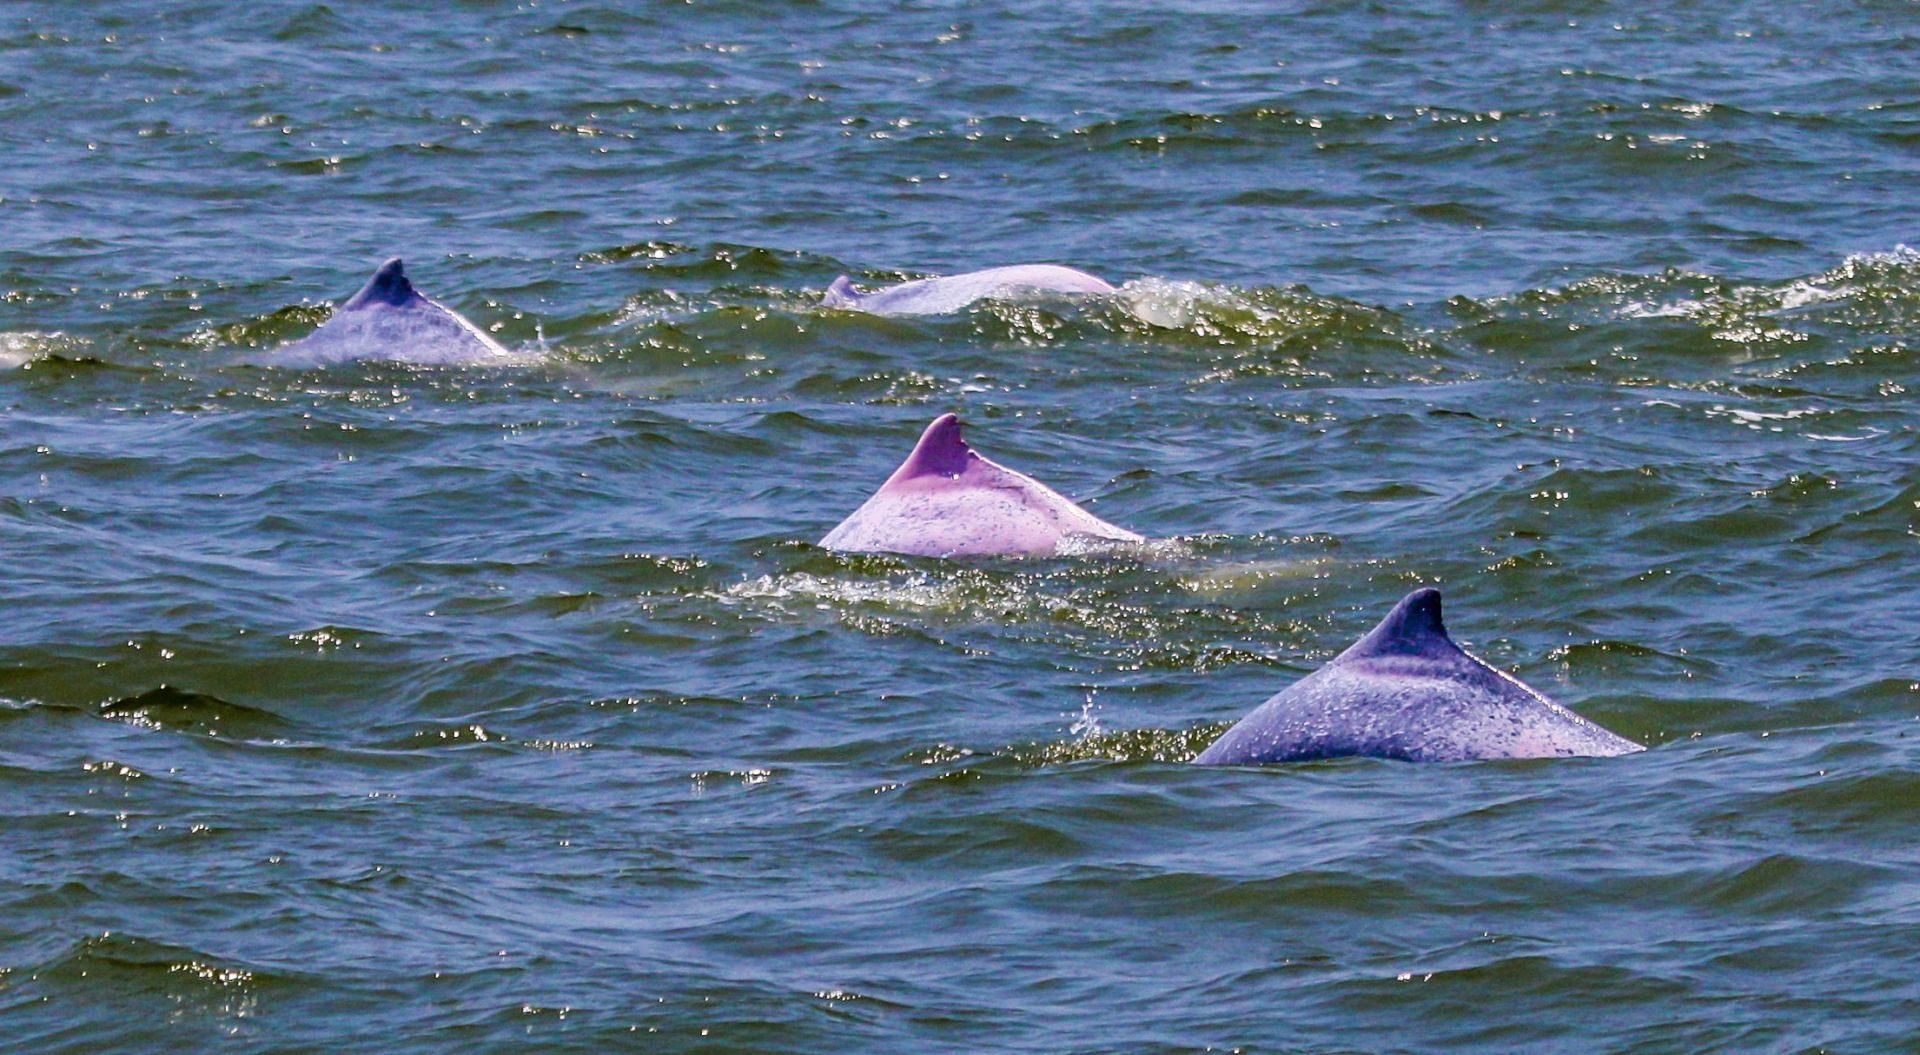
(938, 296)
(946, 500)
(389, 319)
(1407, 691)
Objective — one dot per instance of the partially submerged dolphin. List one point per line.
(938, 296)
(389, 319)
(946, 500)
(1407, 691)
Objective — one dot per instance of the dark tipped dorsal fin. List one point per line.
(388, 285)
(940, 452)
(1412, 628)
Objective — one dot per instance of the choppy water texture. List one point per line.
(389, 709)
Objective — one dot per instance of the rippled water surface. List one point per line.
(395, 709)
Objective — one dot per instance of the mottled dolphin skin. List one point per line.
(938, 296)
(389, 319)
(1407, 691)
(946, 500)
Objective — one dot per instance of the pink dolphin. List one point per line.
(946, 500)
(938, 296)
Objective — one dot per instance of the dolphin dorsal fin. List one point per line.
(388, 285)
(840, 293)
(1412, 628)
(940, 452)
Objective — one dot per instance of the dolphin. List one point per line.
(946, 500)
(1407, 691)
(939, 296)
(389, 319)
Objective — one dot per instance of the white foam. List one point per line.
(19, 346)
(1173, 304)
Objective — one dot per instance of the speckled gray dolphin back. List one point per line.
(389, 319)
(1407, 691)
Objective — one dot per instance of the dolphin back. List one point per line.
(1407, 691)
(389, 319)
(951, 293)
(946, 500)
